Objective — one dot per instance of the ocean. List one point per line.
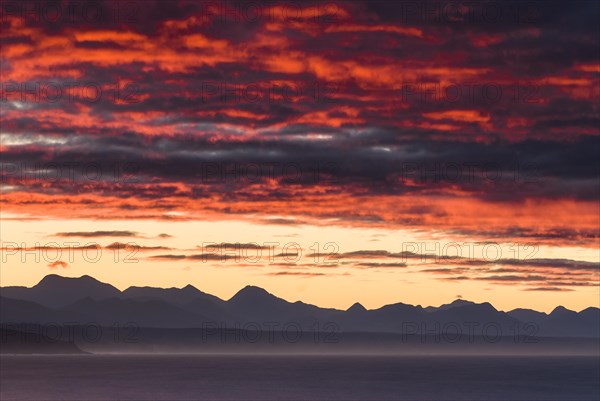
(297, 377)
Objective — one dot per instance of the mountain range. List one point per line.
(85, 300)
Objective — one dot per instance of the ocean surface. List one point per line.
(307, 377)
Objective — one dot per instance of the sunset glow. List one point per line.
(369, 152)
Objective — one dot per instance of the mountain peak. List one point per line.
(486, 305)
(52, 279)
(357, 307)
(561, 311)
(454, 304)
(57, 291)
(461, 302)
(252, 290)
(526, 311)
(253, 294)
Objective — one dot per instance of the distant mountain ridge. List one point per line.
(56, 291)
(56, 299)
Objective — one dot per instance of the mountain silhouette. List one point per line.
(356, 309)
(528, 315)
(144, 313)
(178, 296)
(454, 304)
(55, 291)
(23, 311)
(83, 300)
(254, 304)
(565, 322)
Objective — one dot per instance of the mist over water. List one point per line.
(297, 377)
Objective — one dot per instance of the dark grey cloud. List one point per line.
(93, 234)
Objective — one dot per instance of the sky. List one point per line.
(330, 152)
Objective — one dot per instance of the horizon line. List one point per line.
(286, 300)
